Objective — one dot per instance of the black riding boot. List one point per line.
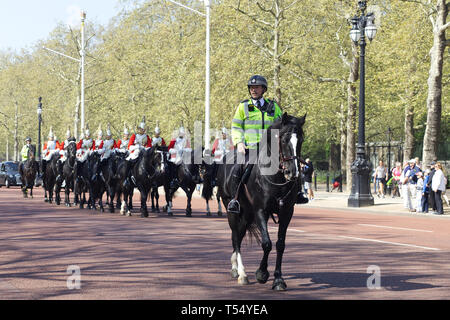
(174, 183)
(234, 205)
(43, 167)
(127, 182)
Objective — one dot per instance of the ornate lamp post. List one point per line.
(39, 112)
(362, 27)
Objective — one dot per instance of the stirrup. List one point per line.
(234, 207)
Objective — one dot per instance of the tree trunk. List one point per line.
(351, 114)
(334, 160)
(409, 132)
(434, 100)
(343, 145)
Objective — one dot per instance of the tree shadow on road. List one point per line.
(324, 280)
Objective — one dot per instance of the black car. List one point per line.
(9, 174)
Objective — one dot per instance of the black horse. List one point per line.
(97, 186)
(147, 167)
(50, 174)
(109, 169)
(123, 190)
(68, 170)
(188, 174)
(81, 183)
(161, 180)
(207, 174)
(28, 171)
(270, 190)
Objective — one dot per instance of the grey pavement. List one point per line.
(338, 200)
(386, 205)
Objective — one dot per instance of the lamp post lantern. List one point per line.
(361, 168)
(39, 112)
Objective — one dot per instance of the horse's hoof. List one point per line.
(279, 285)
(170, 214)
(128, 214)
(157, 210)
(243, 280)
(234, 273)
(262, 276)
(153, 210)
(165, 209)
(220, 213)
(188, 214)
(208, 214)
(144, 215)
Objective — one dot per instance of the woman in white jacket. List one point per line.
(438, 186)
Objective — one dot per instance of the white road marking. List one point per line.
(376, 226)
(300, 231)
(388, 242)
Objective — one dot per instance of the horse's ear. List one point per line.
(303, 119)
(285, 118)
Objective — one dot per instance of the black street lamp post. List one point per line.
(39, 112)
(361, 168)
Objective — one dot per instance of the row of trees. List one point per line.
(149, 61)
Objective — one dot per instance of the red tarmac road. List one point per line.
(327, 254)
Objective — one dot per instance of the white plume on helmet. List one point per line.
(68, 133)
(87, 132)
(142, 124)
(108, 131)
(51, 134)
(125, 129)
(100, 132)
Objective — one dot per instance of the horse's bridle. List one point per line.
(284, 159)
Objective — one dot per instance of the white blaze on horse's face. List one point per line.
(294, 142)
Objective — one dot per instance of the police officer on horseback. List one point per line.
(251, 118)
(25, 148)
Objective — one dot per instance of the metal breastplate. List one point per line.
(124, 144)
(108, 144)
(141, 139)
(51, 145)
(87, 144)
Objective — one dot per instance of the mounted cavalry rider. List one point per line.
(84, 146)
(221, 146)
(64, 145)
(252, 117)
(98, 143)
(157, 140)
(177, 146)
(25, 148)
(138, 141)
(50, 147)
(122, 145)
(109, 145)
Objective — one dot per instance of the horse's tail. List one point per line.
(253, 233)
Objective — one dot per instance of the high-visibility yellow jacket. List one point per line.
(249, 122)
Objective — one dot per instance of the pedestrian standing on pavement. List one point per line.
(308, 171)
(396, 173)
(380, 178)
(438, 186)
(409, 182)
(431, 202)
(419, 190)
(425, 192)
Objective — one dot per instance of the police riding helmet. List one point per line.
(257, 80)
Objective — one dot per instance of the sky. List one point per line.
(24, 22)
